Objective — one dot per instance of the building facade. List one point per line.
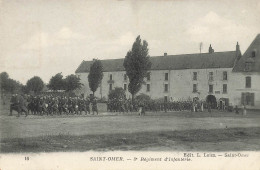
(246, 77)
(208, 76)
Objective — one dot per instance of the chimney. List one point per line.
(165, 54)
(238, 52)
(211, 50)
(237, 47)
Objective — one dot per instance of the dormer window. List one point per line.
(253, 54)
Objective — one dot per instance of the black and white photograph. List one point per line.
(166, 84)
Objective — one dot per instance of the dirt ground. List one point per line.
(33, 129)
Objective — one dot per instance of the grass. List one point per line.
(134, 141)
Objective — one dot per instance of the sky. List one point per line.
(46, 37)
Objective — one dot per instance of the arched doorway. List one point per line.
(210, 99)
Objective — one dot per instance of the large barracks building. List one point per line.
(219, 77)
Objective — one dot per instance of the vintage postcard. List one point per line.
(126, 84)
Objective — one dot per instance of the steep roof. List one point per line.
(172, 62)
(247, 57)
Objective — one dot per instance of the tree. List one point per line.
(116, 98)
(9, 85)
(4, 81)
(35, 84)
(137, 63)
(95, 75)
(118, 94)
(56, 82)
(143, 99)
(72, 82)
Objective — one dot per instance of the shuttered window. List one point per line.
(194, 88)
(110, 86)
(195, 75)
(210, 76)
(224, 88)
(248, 82)
(252, 99)
(242, 98)
(166, 76)
(210, 88)
(248, 99)
(165, 87)
(224, 75)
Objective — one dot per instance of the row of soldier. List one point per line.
(50, 105)
(152, 105)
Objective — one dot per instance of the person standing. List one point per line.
(209, 107)
(244, 110)
(94, 106)
(236, 110)
(13, 103)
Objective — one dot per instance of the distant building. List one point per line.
(214, 76)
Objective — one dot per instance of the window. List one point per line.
(194, 75)
(211, 76)
(165, 98)
(248, 66)
(210, 88)
(194, 88)
(166, 87)
(110, 86)
(253, 54)
(248, 99)
(148, 76)
(125, 77)
(125, 87)
(224, 75)
(147, 87)
(224, 88)
(111, 77)
(248, 82)
(166, 76)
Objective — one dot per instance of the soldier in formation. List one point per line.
(151, 106)
(50, 105)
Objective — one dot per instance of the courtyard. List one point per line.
(176, 131)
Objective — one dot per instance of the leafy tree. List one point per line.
(143, 98)
(72, 82)
(137, 63)
(35, 84)
(14, 86)
(4, 76)
(95, 75)
(117, 95)
(9, 85)
(56, 82)
(4, 81)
